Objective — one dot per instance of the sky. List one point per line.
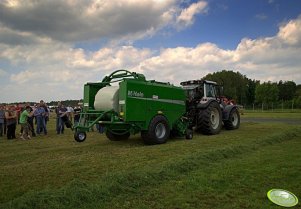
(50, 48)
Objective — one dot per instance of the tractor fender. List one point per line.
(227, 109)
(205, 104)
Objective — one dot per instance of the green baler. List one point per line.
(154, 109)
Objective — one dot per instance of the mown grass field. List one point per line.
(287, 114)
(234, 169)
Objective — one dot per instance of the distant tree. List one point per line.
(297, 100)
(250, 92)
(266, 93)
(72, 103)
(235, 85)
(287, 90)
(298, 91)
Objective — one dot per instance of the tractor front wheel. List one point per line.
(210, 119)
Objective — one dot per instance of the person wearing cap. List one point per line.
(46, 114)
(39, 114)
(24, 123)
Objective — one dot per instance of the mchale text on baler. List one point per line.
(157, 110)
(154, 109)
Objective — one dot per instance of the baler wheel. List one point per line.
(234, 120)
(116, 137)
(80, 136)
(158, 131)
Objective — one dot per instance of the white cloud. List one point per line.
(187, 16)
(54, 69)
(50, 69)
(73, 21)
(271, 58)
(116, 21)
(290, 32)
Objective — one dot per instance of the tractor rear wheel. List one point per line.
(210, 119)
(117, 137)
(158, 131)
(234, 120)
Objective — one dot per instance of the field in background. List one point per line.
(272, 115)
(234, 169)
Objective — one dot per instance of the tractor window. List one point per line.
(210, 90)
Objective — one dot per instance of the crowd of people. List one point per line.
(33, 119)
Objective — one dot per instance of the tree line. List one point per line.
(249, 92)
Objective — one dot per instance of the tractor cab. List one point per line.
(200, 91)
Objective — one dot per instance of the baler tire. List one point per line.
(115, 137)
(80, 136)
(234, 120)
(208, 123)
(158, 131)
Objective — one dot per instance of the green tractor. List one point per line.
(207, 109)
(125, 103)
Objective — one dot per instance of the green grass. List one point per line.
(234, 169)
(274, 115)
(295, 110)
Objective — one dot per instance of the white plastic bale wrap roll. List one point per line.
(107, 99)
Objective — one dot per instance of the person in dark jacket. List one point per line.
(59, 122)
(11, 122)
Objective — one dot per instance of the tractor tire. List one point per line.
(80, 136)
(116, 137)
(234, 120)
(189, 134)
(158, 131)
(210, 119)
